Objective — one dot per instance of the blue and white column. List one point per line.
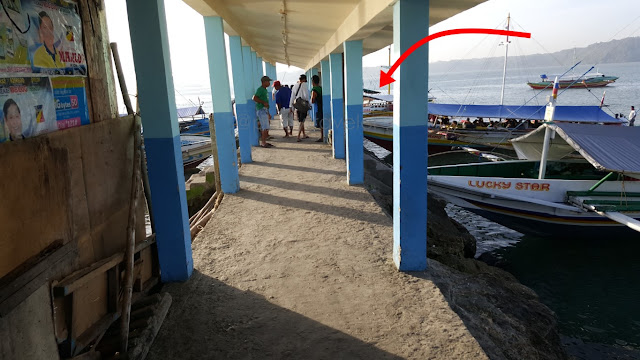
(247, 65)
(222, 112)
(255, 82)
(270, 73)
(243, 108)
(148, 30)
(325, 80)
(353, 120)
(337, 106)
(410, 133)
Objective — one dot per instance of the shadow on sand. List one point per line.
(212, 320)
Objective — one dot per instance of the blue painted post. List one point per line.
(314, 108)
(247, 64)
(337, 106)
(222, 112)
(255, 82)
(272, 102)
(243, 108)
(325, 79)
(410, 130)
(148, 29)
(353, 120)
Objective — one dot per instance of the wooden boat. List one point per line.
(596, 80)
(379, 129)
(195, 149)
(592, 196)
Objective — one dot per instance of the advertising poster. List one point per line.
(71, 101)
(27, 108)
(41, 36)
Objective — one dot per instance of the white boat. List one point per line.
(195, 149)
(592, 196)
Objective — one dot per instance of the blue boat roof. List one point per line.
(190, 111)
(585, 114)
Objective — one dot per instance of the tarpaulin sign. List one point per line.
(71, 101)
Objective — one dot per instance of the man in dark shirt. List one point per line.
(316, 98)
(283, 97)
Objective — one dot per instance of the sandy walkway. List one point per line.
(297, 265)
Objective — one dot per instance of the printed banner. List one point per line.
(27, 108)
(71, 101)
(41, 36)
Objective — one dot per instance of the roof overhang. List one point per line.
(302, 33)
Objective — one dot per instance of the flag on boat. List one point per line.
(556, 86)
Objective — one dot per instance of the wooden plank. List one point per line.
(101, 83)
(97, 330)
(89, 306)
(26, 284)
(34, 173)
(81, 277)
(141, 345)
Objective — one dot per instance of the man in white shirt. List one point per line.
(300, 90)
(632, 116)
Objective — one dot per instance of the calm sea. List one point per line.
(592, 286)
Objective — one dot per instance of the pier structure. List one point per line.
(325, 81)
(352, 30)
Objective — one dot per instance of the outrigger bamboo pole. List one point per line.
(131, 242)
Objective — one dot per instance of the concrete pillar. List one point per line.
(222, 113)
(255, 83)
(325, 80)
(243, 108)
(410, 24)
(337, 106)
(353, 119)
(270, 72)
(247, 64)
(148, 30)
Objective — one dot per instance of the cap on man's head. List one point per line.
(265, 78)
(303, 77)
(276, 83)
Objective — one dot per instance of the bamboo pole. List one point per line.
(214, 152)
(131, 242)
(143, 157)
(123, 84)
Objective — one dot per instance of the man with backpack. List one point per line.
(300, 101)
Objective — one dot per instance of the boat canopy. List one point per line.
(607, 148)
(586, 114)
(190, 111)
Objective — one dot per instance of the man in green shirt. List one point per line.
(316, 98)
(261, 98)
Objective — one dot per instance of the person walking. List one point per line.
(261, 98)
(300, 91)
(283, 98)
(632, 116)
(316, 98)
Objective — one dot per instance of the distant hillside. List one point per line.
(615, 51)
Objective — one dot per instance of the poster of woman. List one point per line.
(27, 108)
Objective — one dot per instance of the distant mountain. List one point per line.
(614, 51)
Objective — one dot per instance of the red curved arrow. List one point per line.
(385, 77)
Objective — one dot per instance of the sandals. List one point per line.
(267, 146)
(299, 140)
(320, 140)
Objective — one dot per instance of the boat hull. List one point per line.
(195, 150)
(531, 206)
(564, 84)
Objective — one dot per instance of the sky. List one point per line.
(554, 25)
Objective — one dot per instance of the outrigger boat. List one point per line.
(195, 149)
(379, 129)
(587, 81)
(548, 193)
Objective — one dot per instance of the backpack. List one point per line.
(301, 104)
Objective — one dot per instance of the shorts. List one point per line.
(263, 117)
(286, 115)
(302, 116)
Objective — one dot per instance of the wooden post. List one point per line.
(121, 80)
(214, 153)
(131, 241)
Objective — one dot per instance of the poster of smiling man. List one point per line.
(55, 40)
(28, 108)
(41, 36)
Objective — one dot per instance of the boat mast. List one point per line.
(548, 131)
(506, 52)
